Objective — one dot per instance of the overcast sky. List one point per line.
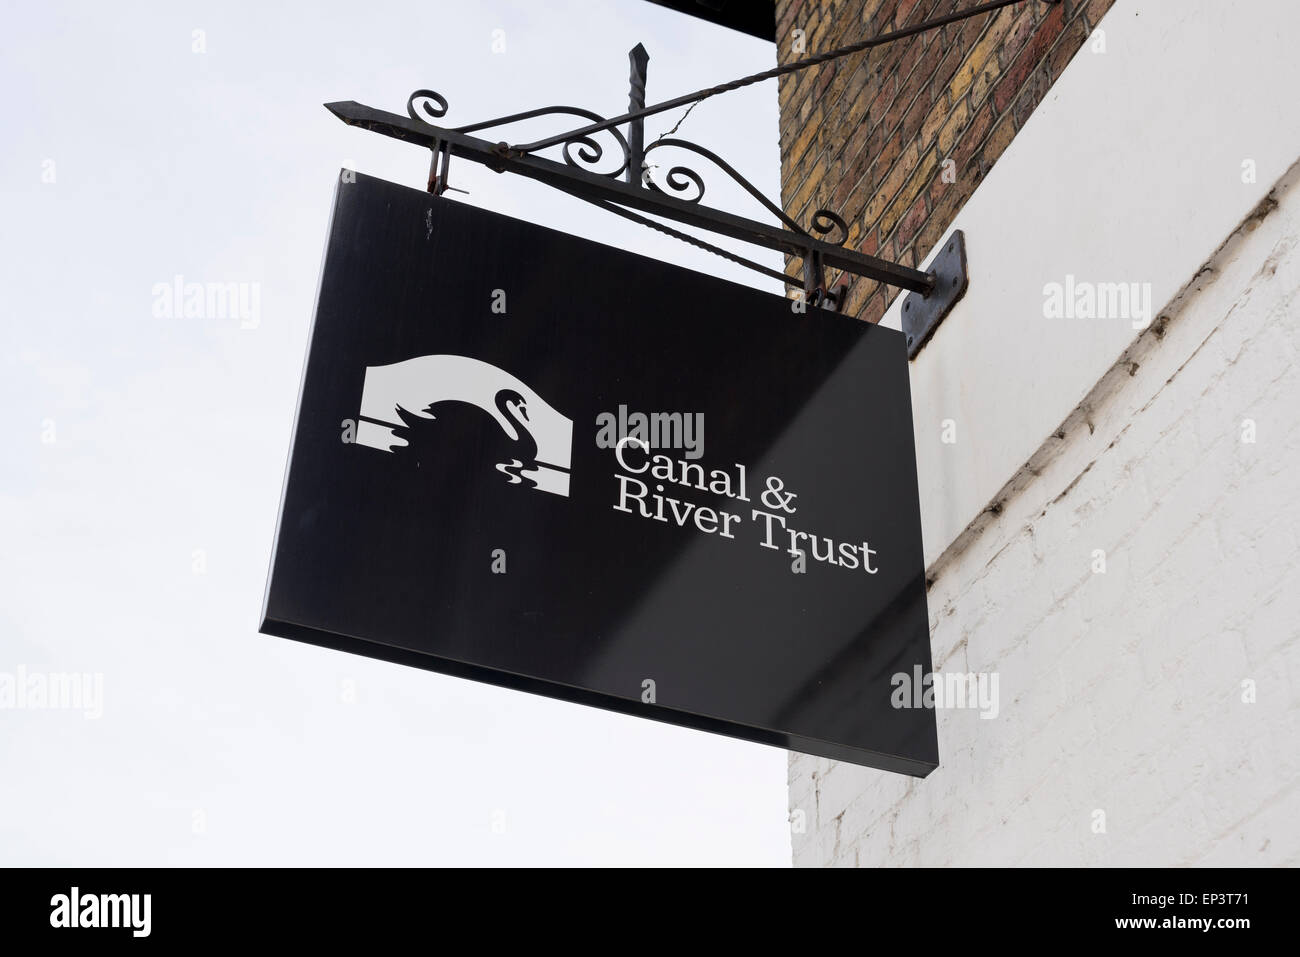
(144, 457)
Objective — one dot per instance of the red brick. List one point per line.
(911, 221)
(1039, 43)
(1066, 47)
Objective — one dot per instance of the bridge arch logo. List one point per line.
(449, 405)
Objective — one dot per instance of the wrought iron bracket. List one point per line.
(608, 189)
(922, 312)
(933, 292)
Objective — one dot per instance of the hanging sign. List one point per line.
(529, 459)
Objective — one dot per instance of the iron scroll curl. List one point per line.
(680, 178)
(579, 151)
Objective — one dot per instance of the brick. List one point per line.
(874, 308)
(998, 140)
(917, 80)
(1042, 39)
(953, 124)
(1066, 47)
(801, 143)
(914, 119)
(847, 88)
(945, 200)
(800, 202)
(939, 114)
(1021, 30)
(825, 74)
(1094, 10)
(1031, 95)
(981, 65)
(915, 185)
(906, 12)
(947, 68)
(870, 243)
(911, 222)
(892, 183)
(969, 140)
(857, 297)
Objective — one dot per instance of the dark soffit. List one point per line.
(755, 17)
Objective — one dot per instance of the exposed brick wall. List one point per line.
(867, 135)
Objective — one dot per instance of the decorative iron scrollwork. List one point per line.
(824, 221)
(585, 152)
(418, 108)
(580, 152)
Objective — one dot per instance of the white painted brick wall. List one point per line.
(1122, 691)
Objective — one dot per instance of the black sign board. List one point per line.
(533, 460)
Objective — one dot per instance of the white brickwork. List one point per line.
(1122, 736)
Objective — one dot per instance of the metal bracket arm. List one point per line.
(588, 185)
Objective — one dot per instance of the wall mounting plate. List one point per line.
(922, 313)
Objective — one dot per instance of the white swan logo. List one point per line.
(415, 405)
